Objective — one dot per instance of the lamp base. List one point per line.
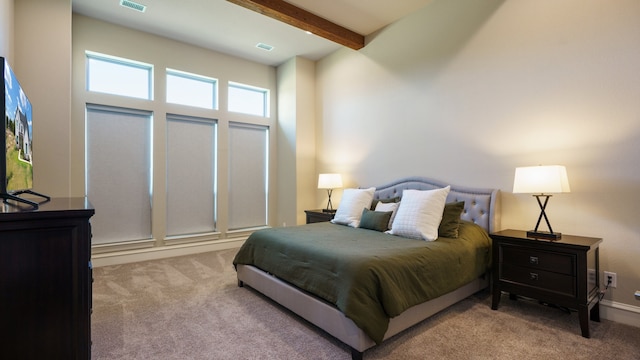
(544, 235)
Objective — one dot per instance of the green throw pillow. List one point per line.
(375, 220)
(450, 220)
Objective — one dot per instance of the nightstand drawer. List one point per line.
(541, 279)
(314, 216)
(538, 259)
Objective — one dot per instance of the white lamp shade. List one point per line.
(541, 180)
(329, 181)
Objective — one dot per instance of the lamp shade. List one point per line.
(329, 181)
(541, 180)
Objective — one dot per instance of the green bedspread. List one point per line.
(370, 276)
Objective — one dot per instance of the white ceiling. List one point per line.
(225, 27)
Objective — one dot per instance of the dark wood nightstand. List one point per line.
(562, 272)
(314, 216)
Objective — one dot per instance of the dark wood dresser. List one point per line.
(45, 280)
(561, 272)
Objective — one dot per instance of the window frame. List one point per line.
(90, 55)
(266, 109)
(195, 77)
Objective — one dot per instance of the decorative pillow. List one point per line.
(420, 213)
(375, 220)
(450, 220)
(350, 209)
(390, 206)
(375, 202)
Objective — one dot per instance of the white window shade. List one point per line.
(118, 173)
(191, 166)
(248, 175)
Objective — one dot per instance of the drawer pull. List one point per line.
(533, 260)
(533, 276)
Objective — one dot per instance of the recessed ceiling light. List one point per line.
(264, 46)
(133, 5)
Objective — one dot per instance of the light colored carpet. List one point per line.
(190, 307)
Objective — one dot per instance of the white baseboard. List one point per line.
(620, 312)
(154, 253)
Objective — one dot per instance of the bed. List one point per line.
(364, 286)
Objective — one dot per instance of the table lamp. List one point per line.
(329, 182)
(541, 181)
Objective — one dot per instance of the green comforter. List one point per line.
(370, 276)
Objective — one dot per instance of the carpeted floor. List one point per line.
(190, 307)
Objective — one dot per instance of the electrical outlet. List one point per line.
(614, 279)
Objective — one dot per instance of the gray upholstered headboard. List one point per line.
(482, 206)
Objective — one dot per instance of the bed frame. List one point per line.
(482, 206)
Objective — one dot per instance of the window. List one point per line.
(191, 90)
(191, 175)
(111, 75)
(248, 99)
(118, 173)
(248, 175)
(190, 149)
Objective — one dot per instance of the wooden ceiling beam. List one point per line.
(302, 19)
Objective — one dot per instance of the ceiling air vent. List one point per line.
(264, 47)
(133, 5)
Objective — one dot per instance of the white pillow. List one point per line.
(420, 213)
(350, 209)
(392, 206)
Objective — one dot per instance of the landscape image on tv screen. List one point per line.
(18, 135)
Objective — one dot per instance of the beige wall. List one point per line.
(306, 174)
(286, 129)
(42, 63)
(6, 29)
(465, 91)
(297, 177)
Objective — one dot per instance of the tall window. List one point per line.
(191, 175)
(248, 175)
(118, 173)
(191, 90)
(120, 152)
(248, 99)
(117, 76)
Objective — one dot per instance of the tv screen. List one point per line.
(18, 135)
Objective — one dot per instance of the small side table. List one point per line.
(314, 216)
(563, 272)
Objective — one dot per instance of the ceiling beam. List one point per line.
(300, 18)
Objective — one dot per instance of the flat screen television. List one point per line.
(16, 167)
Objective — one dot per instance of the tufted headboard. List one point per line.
(481, 206)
